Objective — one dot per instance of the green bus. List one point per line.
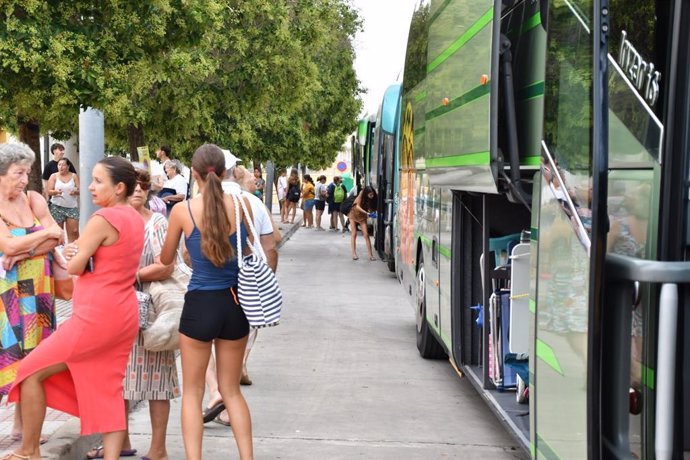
(543, 219)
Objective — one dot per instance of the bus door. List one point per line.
(642, 314)
(558, 402)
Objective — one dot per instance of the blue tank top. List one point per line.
(205, 275)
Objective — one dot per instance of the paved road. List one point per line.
(341, 377)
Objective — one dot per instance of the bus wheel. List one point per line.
(427, 345)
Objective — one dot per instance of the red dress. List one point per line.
(95, 342)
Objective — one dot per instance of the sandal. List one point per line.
(355, 257)
(13, 455)
(213, 411)
(98, 452)
(15, 437)
(221, 421)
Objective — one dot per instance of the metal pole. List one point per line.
(91, 150)
(268, 188)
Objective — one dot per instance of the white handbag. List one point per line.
(257, 287)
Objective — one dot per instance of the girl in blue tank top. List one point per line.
(211, 315)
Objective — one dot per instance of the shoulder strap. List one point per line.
(189, 206)
(256, 247)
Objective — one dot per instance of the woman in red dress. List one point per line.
(79, 369)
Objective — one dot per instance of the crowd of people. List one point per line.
(95, 372)
(147, 229)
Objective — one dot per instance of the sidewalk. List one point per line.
(62, 430)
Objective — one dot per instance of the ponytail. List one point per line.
(214, 238)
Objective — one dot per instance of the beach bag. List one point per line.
(346, 205)
(63, 285)
(257, 287)
(338, 194)
(167, 300)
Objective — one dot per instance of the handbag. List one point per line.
(144, 300)
(167, 300)
(63, 284)
(257, 287)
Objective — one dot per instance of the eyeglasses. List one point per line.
(144, 186)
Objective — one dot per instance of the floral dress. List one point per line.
(27, 308)
(151, 375)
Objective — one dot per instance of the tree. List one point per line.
(244, 75)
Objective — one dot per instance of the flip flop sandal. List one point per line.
(221, 421)
(99, 453)
(18, 437)
(211, 413)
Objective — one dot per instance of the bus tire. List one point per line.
(428, 346)
(391, 263)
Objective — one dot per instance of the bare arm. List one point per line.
(50, 189)
(172, 238)
(157, 271)
(76, 185)
(97, 232)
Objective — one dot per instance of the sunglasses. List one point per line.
(144, 186)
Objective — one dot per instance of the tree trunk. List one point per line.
(29, 133)
(135, 137)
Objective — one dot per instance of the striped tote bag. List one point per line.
(257, 287)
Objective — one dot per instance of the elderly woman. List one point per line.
(175, 188)
(27, 235)
(150, 376)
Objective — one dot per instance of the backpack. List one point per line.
(346, 205)
(293, 193)
(338, 194)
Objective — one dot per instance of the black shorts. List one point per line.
(320, 205)
(333, 208)
(216, 314)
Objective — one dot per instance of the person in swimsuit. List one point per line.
(211, 316)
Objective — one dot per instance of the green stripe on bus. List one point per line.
(471, 95)
(531, 161)
(464, 38)
(532, 450)
(439, 10)
(536, 89)
(420, 97)
(534, 234)
(444, 251)
(547, 355)
(531, 23)
(648, 377)
(532, 306)
(420, 131)
(545, 449)
(467, 159)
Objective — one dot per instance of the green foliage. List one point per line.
(268, 79)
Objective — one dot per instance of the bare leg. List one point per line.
(72, 229)
(212, 383)
(353, 240)
(33, 409)
(245, 380)
(365, 233)
(342, 219)
(319, 213)
(195, 356)
(112, 444)
(159, 410)
(17, 421)
(230, 354)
